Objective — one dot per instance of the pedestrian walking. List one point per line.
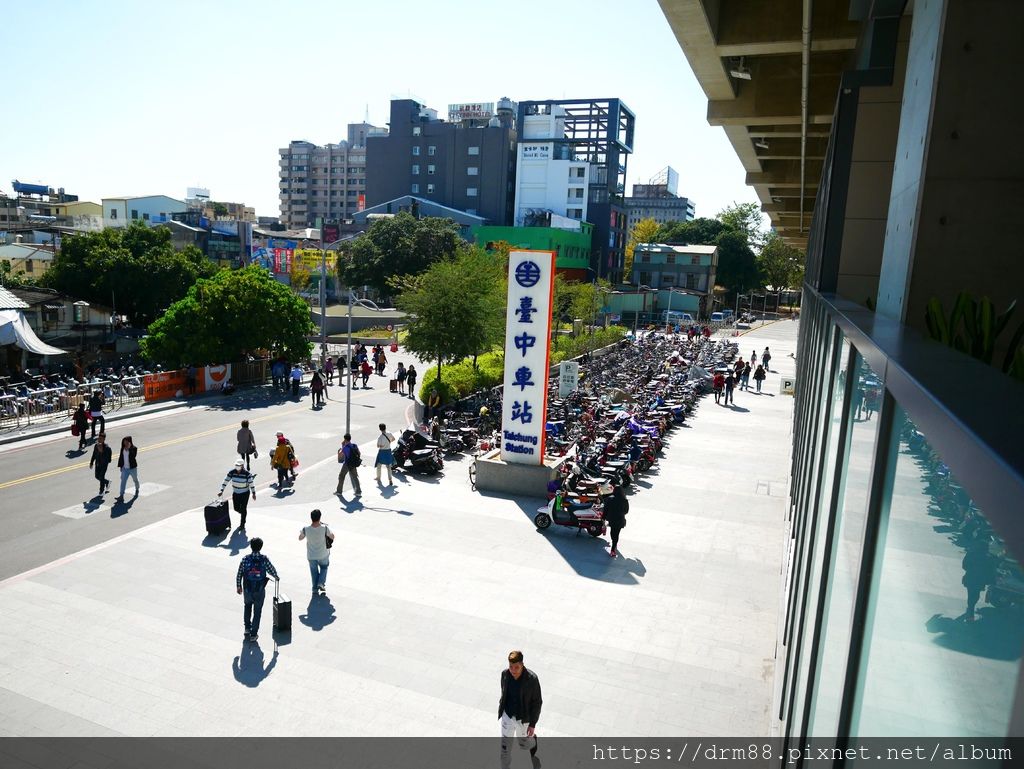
(400, 374)
(759, 377)
(296, 380)
(80, 424)
(433, 402)
(242, 485)
(410, 380)
(254, 572)
(518, 708)
(745, 377)
(354, 367)
(730, 385)
(319, 539)
(191, 379)
(278, 374)
(365, 370)
(382, 362)
(350, 458)
(718, 384)
(342, 368)
(96, 403)
(316, 389)
(765, 358)
(329, 370)
(292, 461)
(246, 443)
(753, 357)
(616, 507)
(384, 456)
(281, 462)
(128, 464)
(101, 456)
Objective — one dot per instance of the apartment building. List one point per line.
(326, 182)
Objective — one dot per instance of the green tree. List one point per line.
(696, 232)
(301, 280)
(745, 218)
(456, 307)
(136, 268)
(219, 209)
(782, 265)
(223, 317)
(15, 279)
(397, 246)
(644, 231)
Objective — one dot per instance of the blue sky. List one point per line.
(129, 98)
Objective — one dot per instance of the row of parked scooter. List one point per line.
(616, 424)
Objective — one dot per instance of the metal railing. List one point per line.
(56, 404)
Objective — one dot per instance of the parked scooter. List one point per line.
(422, 455)
(562, 511)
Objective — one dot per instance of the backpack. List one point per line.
(255, 575)
(355, 457)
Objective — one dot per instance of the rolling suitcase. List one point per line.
(282, 609)
(394, 385)
(218, 519)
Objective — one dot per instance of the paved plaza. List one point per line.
(430, 585)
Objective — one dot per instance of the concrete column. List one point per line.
(956, 191)
(871, 171)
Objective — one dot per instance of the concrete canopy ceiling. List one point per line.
(762, 116)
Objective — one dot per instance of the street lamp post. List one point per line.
(348, 358)
(323, 297)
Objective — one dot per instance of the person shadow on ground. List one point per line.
(121, 508)
(319, 613)
(248, 665)
(239, 541)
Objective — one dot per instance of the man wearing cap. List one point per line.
(518, 708)
(242, 485)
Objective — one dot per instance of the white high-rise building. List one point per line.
(551, 186)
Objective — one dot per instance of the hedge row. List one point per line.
(461, 379)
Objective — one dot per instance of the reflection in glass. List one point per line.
(946, 625)
(847, 546)
(820, 510)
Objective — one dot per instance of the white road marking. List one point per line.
(90, 508)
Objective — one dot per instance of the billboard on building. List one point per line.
(471, 110)
(527, 344)
(535, 151)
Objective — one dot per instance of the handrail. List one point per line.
(968, 411)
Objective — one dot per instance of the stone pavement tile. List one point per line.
(423, 613)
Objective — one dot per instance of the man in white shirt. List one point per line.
(318, 542)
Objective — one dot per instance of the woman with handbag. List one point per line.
(281, 462)
(319, 539)
(385, 458)
(246, 444)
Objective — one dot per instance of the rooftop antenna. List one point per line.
(367, 118)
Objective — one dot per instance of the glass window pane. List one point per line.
(945, 626)
(847, 547)
(820, 511)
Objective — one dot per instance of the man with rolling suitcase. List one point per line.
(251, 580)
(242, 485)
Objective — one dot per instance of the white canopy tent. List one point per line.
(14, 329)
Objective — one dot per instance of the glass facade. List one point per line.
(905, 612)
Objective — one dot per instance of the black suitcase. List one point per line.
(282, 609)
(394, 385)
(218, 519)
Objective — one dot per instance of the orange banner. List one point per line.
(158, 387)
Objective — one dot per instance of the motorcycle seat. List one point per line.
(422, 453)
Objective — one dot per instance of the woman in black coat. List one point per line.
(101, 456)
(81, 422)
(615, 508)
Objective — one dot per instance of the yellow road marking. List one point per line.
(164, 444)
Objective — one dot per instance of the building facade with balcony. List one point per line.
(883, 137)
(661, 265)
(324, 182)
